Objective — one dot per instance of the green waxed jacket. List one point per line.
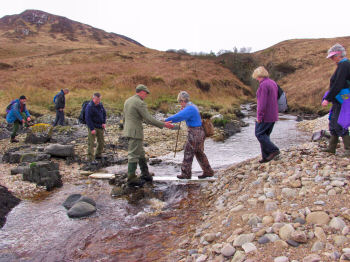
(135, 112)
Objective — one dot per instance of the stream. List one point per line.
(136, 228)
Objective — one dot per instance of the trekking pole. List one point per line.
(109, 141)
(177, 138)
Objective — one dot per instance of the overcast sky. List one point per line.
(202, 25)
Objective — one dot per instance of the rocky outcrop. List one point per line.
(7, 202)
(44, 173)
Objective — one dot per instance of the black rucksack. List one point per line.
(82, 113)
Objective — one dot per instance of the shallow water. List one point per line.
(135, 229)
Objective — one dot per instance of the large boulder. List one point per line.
(60, 150)
(74, 198)
(79, 206)
(81, 209)
(7, 202)
(232, 128)
(39, 134)
(25, 156)
(44, 173)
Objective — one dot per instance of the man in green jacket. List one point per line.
(135, 112)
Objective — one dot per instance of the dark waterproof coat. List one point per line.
(95, 115)
(60, 101)
(338, 80)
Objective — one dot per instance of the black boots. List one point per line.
(346, 141)
(13, 139)
(133, 180)
(145, 175)
(332, 146)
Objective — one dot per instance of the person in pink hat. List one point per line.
(339, 83)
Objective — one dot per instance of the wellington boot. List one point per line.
(346, 141)
(145, 175)
(133, 180)
(14, 140)
(332, 146)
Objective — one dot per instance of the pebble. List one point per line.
(286, 231)
(299, 236)
(237, 208)
(292, 243)
(264, 240)
(201, 258)
(318, 217)
(320, 234)
(242, 239)
(319, 202)
(337, 223)
(281, 259)
(270, 206)
(312, 258)
(340, 240)
(317, 246)
(249, 248)
(228, 250)
(238, 257)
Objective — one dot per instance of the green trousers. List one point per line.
(135, 150)
(16, 125)
(91, 143)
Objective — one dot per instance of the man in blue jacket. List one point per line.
(95, 117)
(17, 115)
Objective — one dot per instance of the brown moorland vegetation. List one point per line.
(42, 53)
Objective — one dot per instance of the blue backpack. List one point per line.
(8, 108)
(54, 98)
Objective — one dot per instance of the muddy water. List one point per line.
(137, 228)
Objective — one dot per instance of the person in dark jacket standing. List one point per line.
(267, 113)
(95, 116)
(338, 82)
(18, 115)
(60, 103)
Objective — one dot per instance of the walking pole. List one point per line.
(177, 138)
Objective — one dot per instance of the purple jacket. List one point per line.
(267, 101)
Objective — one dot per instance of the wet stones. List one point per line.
(58, 150)
(26, 156)
(44, 173)
(79, 206)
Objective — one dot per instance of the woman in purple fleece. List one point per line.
(267, 113)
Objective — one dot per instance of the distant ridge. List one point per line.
(35, 22)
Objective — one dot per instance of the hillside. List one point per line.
(301, 68)
(42, 53)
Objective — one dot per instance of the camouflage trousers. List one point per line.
(195, 147)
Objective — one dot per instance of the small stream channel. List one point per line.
(137, 228)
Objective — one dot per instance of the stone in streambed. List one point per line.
(81, 209)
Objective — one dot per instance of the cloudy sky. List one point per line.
(202, 25)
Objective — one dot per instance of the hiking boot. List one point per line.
(182, 176)
(346, 142)
(263, 160)
(145, 175)
(205, 175)
(94, 162)
(272, 155)
(14, 140)
(333, 142)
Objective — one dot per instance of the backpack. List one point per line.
(82, 113)
(54, 98)
(281, 100)
(208, 127)
(8, 108)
